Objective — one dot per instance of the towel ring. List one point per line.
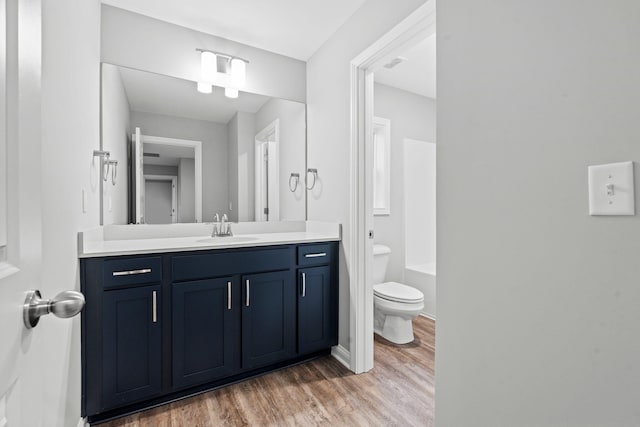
(314, 173)
(114, 170)
(105, 168)
(295, 177)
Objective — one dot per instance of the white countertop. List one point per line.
(117, 240)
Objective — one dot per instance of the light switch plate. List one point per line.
(84, 201)
(611, 189)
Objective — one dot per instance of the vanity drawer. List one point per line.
(314, 254)
(201, 266)
(132, 271)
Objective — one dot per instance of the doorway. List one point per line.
(161, 199)
(166, 157)
(415, 28)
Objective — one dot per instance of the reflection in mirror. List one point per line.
(3, 131)
(160, 126)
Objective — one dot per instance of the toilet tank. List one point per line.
(380, 262)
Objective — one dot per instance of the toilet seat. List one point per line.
(397, 292)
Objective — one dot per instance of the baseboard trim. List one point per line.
(342, 355)
(428, 316)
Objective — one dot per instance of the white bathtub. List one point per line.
(423, 278)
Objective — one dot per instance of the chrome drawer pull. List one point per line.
(248, 286)
(155, 308)
(131, 272)
(318, 255)
(304, 285)
(228, 295)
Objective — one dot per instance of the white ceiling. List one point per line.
(417, 74)
(295, 28)
(158, 94)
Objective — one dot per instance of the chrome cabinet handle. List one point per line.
(64, 305)
(155, 308)
(228, 295)
(316, 255)
(131, 272)
(304, 285)
(247, 285)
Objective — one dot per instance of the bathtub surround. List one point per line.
(420, 219)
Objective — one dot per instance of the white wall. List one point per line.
(70, 133)
(232, 167)
(328, 123)
(538, 318)
(246, 168)
(145, 43)
(214, 153)
(187, 190)
(291, 151)
(115, 136)
(412, 116)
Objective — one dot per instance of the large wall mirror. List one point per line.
(178, 155)
(3, 130)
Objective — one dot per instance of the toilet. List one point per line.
(395, 305)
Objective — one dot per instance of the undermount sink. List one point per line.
(228, 239)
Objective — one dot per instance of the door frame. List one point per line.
(21, 253)
(273, 180)
(197, 146)
(419, 25)
(174, 192)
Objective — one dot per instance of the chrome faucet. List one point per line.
(221, 228)
(216, 220)
(225, 227)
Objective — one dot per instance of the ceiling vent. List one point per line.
(151, 154)
(394, 62)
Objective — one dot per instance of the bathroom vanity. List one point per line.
(171, 316)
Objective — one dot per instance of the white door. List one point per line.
(139, 176)
(22, 362)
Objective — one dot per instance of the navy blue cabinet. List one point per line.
(161, 327)
(268, 318)
(315, 311)
(205, 321)
(131, 345)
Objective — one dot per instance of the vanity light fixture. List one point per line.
(221, 69)
(230, 92)
(204, 87)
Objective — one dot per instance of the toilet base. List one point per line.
(396, 329)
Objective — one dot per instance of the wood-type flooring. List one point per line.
(399, 391)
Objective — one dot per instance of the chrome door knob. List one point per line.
(66, 304)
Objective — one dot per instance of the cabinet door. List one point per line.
(206, 329)
(314, 309)
(132, 352)
(268, 318)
